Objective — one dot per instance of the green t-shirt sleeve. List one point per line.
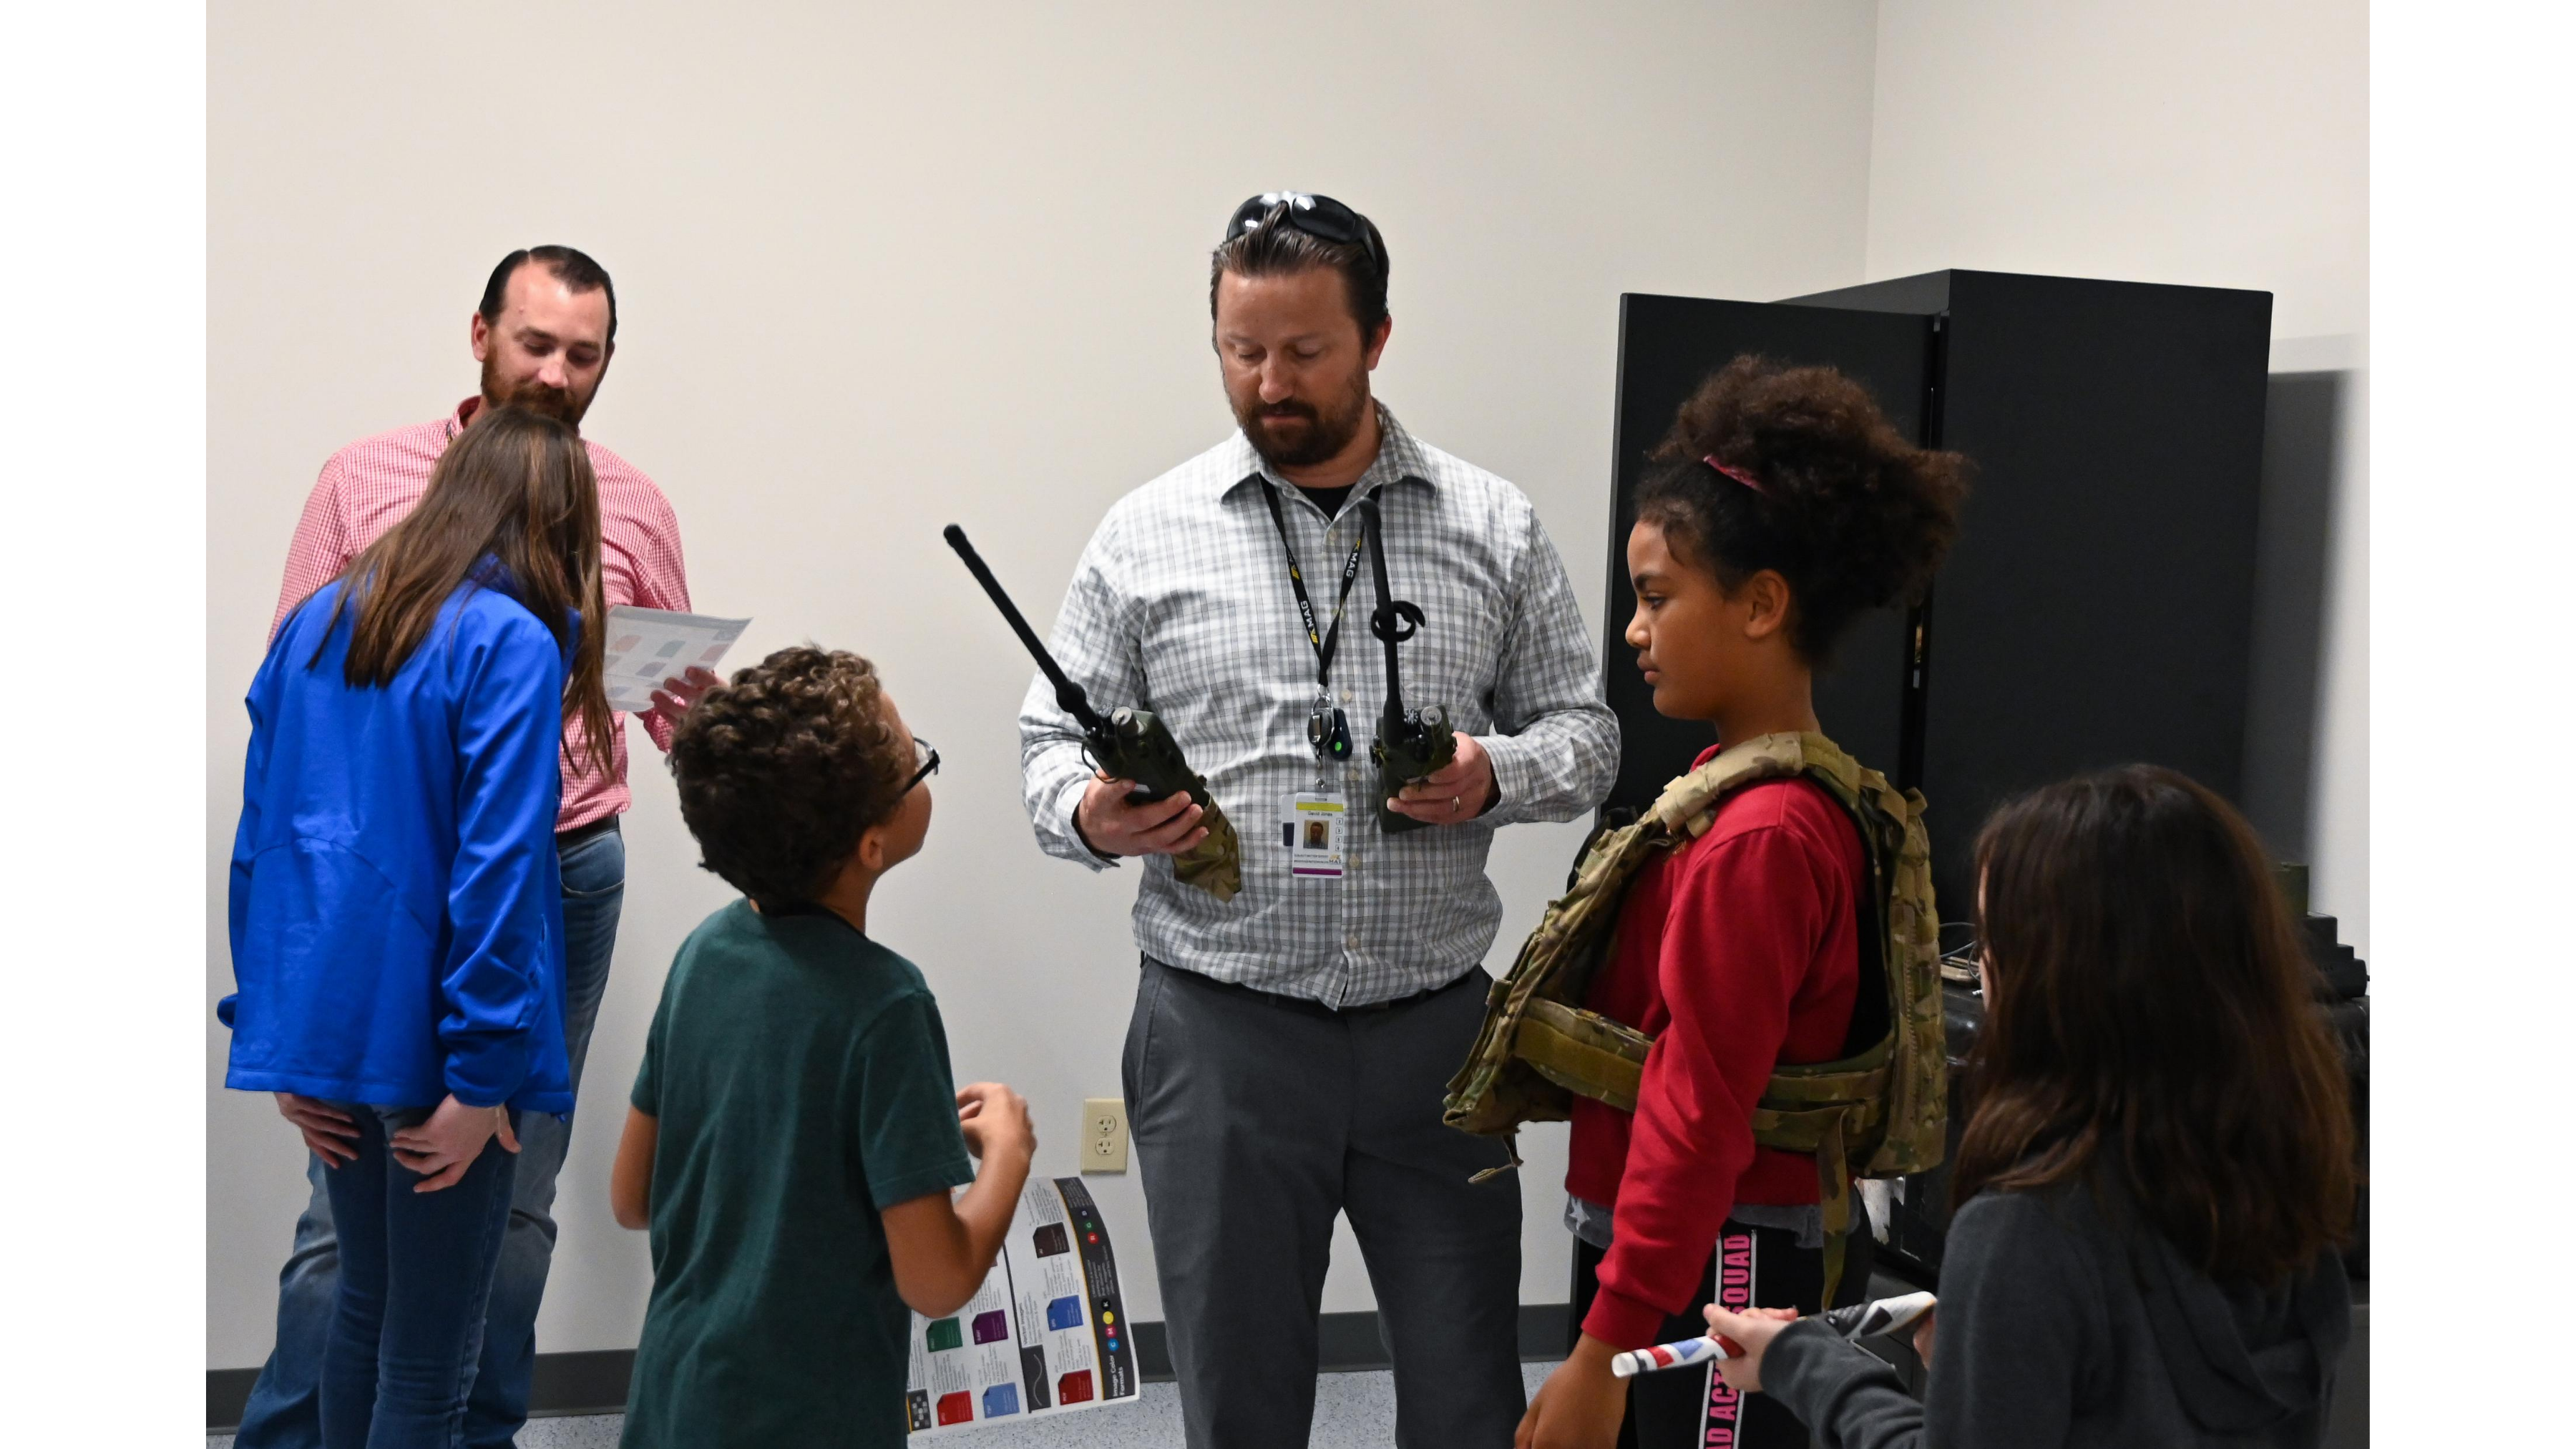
(647, 1096)
(903, 1106)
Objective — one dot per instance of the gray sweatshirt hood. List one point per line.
(2242, 1359)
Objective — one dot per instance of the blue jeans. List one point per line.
(284, 1408)
(415, 1271)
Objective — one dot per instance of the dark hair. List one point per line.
(569, 265)
(782, 769)
(515, 486)
(1848, 512)
(1276, 248)
(2152, 1014)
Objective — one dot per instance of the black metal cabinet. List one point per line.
(2098, 608)
(1667, 345)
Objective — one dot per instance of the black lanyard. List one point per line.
(1326, 642)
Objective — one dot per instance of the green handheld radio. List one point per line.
(1411, 743)
(1129, 744)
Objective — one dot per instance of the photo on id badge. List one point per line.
(1311, 829)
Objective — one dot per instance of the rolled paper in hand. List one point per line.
(1674, 1355)
(1887, 1315)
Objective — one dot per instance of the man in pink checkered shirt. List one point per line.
(544, 335)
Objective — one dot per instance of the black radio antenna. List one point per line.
(1068, 694)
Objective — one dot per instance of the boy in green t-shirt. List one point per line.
(794, 1133)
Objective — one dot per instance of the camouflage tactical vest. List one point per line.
(1878, 1114)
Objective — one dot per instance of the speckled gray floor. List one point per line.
(1352, 1411)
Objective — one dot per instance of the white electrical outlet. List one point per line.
(1104, 1134)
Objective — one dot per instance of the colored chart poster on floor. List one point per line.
(1046, 1334)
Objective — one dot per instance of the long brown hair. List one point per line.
(515, 486)
(2153, 1013)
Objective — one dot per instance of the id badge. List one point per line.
(1311, 827)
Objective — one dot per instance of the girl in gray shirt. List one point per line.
(2158, 1173)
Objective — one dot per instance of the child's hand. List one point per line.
(1752, 1331)
(995, 1120)
(442, 1148)
(328, 1132)
(1581, 1404)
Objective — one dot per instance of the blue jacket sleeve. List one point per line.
(246, 834)
(503, 905)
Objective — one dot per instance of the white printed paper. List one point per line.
(648, 646)
(1046, 1334)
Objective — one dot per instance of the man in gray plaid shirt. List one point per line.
(1290, 1045)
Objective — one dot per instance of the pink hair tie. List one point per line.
(1738, 474)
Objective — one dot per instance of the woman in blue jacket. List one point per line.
(397, 938)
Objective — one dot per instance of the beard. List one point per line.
(553, 402)
(1295, 433)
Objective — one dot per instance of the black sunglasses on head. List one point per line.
(1320, 217)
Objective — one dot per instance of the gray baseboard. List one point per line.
(226, 1391)
(595, 1382)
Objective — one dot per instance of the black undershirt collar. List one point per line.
(1330, 499)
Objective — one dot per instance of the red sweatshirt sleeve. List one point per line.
(1746, 918)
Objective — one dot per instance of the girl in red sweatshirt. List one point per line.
(1784, 507)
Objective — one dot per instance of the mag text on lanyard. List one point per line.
(1328, 729)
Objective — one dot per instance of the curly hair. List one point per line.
(784, 767)
(1852, 515)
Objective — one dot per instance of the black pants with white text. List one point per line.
(1750, 1268)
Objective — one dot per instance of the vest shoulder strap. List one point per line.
(1688, 806)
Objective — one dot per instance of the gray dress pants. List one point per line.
(1256, 1119)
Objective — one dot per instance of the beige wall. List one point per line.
(882, 271)
(887, 267)
(2214, 142)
